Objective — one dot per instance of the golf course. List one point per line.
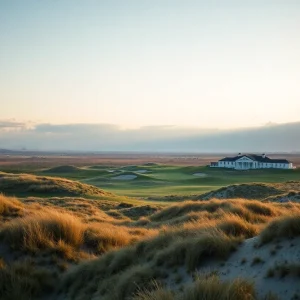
(153, 181)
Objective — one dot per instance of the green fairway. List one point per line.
(145, 181)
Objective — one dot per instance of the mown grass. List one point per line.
(178, 181)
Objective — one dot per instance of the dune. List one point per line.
(280, 192)
(269, 267)
(31, 185)
(62, 169)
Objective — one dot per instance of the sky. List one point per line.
(193, 66)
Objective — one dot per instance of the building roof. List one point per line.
(259, 158)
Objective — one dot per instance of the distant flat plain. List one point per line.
(26, 159)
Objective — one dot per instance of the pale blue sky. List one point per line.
(208, 64)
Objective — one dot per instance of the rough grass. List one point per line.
(43, 230)
(22, 280)
(206, 288)
(10, 207)
(284, 227)
(66, 234)
(119, 256)
(261, 191)
(30, 185)
(215, 232)
(213, 289)
(248, 210)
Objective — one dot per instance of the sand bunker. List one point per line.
(125, 177)
(200, 174)
(142, 171)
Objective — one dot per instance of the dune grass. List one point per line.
(30, 185)
(43, 230)
(23, 280)
(217, 231)
(118, 255)
(10, 206)
(206, 288)
(66, 234)
(284, 227)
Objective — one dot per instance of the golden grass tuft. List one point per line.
(10, 206)
(43, 230)
(213, 289)
(206, 288)
(283, 227)
(27, 184)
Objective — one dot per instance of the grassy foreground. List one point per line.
(74, 248)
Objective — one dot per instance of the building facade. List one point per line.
(251, 161)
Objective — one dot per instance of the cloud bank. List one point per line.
(108, 137)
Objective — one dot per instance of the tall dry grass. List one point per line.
(23, 280)
(43, 230)
(124, 256)
(205, 288)
(283, 227)
(10, 206)
(64, 233)
(216, 230)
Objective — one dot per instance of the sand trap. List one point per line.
(142, 171)
(200, 174)
(111, 171)
(125, 177)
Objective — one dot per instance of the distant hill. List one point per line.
(5, 151)
(31, 185)
(62, 169)
(282, 192)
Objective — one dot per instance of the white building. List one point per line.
(251, 161)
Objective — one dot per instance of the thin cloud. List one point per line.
(110, 137)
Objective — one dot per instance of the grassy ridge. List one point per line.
(31, 185)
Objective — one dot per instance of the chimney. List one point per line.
(264, 155)
(240, 154)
